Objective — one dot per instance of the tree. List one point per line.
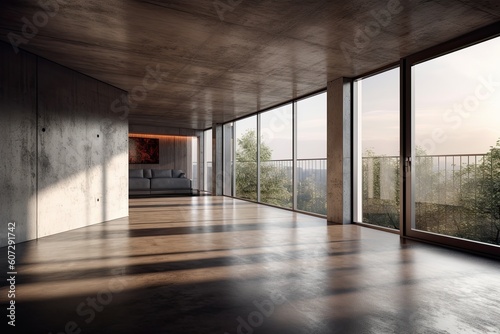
(311, 196)
(275, 185)
(451, 198)
(480, 198)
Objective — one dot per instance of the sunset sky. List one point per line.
(457, 97)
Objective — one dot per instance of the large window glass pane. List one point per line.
(456, 163)
(276, 157)
(228, 156)
(208, 160)
(378, 140)
(311, 154)
(246, 158)
(194, 162)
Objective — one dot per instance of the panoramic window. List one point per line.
(246, 158)
(194, 162)
(208, 161)
(456, 163)
(228, 156)
(377, 193)
(276, 157)
(263, 169)
(311, 154)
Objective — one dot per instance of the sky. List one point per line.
(378, 104)
(276, 125)
(456, 104)
(459, 95)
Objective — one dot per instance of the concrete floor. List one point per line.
(218, 265)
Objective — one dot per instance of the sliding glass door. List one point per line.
(454, 163)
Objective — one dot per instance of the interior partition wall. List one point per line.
(450, 149)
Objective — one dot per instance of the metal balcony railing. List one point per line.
(456, 195)
(311, 182)
(439, 178)
(449, 190)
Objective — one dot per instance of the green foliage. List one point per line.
(380, 189)
(275, 185)
(247, 148)
(480, 197)
(311, 196)
(275, 180)
(460, 200)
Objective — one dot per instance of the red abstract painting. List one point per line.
(144, 150)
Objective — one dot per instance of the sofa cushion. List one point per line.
(162, 173)
(135, 173)
(170, 183)
(147, 173)
(139, 184)
(183, 175)
(177, 172)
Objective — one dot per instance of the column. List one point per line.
(217, 161)
(339, 157)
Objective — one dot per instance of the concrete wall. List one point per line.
(83, 152)
(339, 184)
(17, 144)
(69, 151)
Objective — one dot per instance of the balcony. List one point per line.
(276, 183)
(455, 195)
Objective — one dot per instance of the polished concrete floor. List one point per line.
(218, 265)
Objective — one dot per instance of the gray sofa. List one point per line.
(158, 181)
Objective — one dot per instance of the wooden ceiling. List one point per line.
(223, 59)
